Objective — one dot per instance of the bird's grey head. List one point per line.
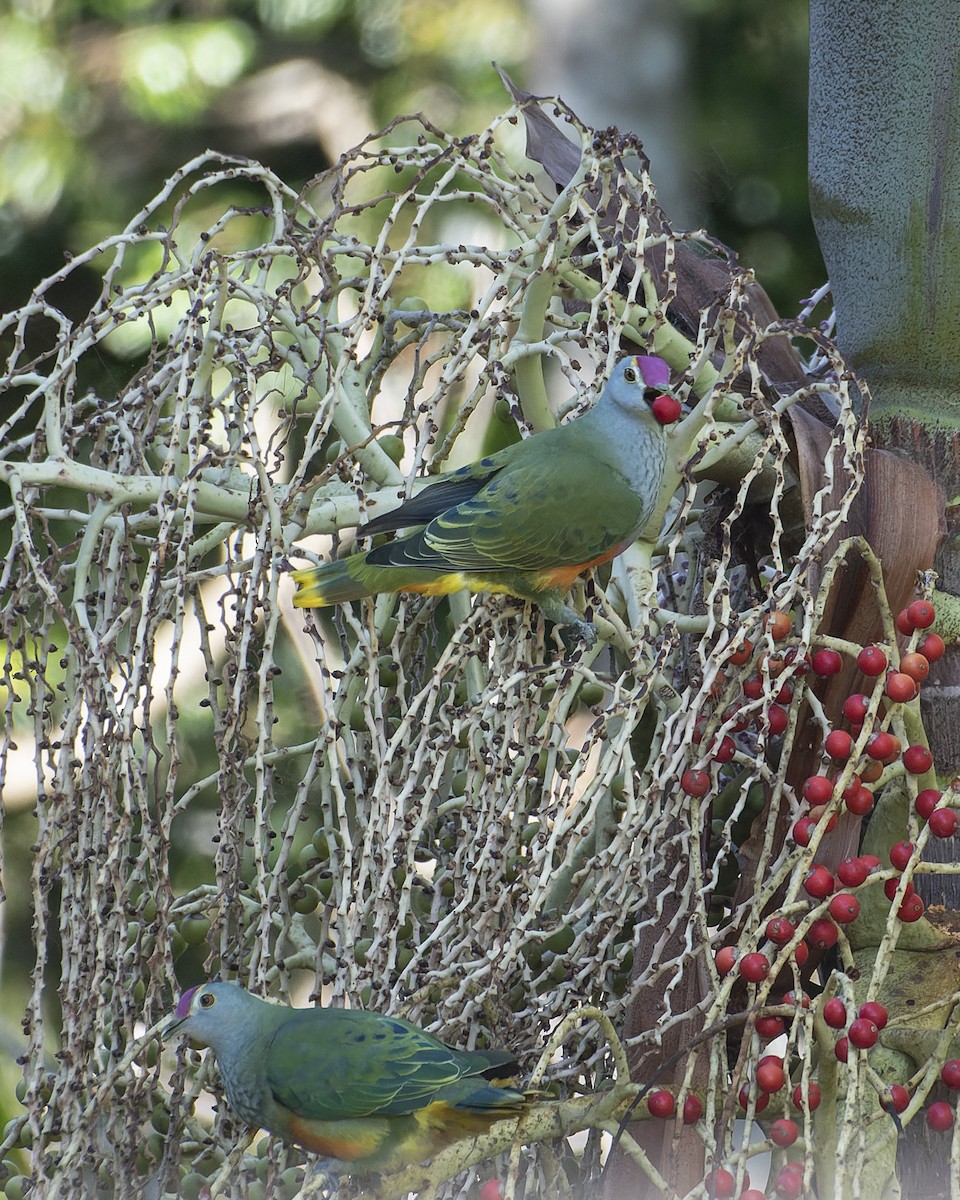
(636, 383)
(213, 1012)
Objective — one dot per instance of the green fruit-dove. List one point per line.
(373, 1091)
(532, 517)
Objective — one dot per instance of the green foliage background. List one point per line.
(102, 99)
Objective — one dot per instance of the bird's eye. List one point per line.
(630, 375)
(206, 1000)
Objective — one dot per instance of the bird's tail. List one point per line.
(332, 583)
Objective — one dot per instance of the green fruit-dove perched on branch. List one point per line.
(532, 517)
(373, 1091)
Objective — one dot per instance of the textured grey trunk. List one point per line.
(885, 194)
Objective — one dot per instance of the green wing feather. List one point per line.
(503, 526)
(341, 1064)
(440, 495)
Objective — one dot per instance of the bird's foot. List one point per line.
(575, 632)
(578, 634)
(325, 1177)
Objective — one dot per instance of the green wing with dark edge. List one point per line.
(440, 495)
(506, 526)
(338, 1064)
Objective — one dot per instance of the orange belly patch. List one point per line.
(562, 578)
(344, 1146)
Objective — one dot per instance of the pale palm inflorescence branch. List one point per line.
(428, 807)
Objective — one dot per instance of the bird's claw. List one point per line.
(578, 634)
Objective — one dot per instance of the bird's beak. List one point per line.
(180, 1013)
(173, 1024)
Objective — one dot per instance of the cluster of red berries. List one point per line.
(770, 1077)
(824, 792)
(882, 748)
(787, 1186)
(900, 685)
(862, 1032)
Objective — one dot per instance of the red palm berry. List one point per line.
(666, 409)
(838, 744)
(900, 854)
(695, 782)
(742, 654)
(932, 647)
(835, 1013)
(872, 661)
(917, 760)
(802, 830)
(882, 745)
(784, 1132)
(743, 1096)
(780, 930)
(726, 957)
(721, 1183)
(926, 802)
(785, 695)
(490, 1189)
(860, 802)
(817, 789)
(900, 688)
(944, 822)
(754, 967)
(950, 1073)
(852, 872)
(903, 623)
(891, 885)
(801, 953)
(895, 1097)
(770, 1027)
(753, 1194)
(789, 1183)
(819, 812)
(778, 624)
(844, 908)
(842, 1049)
(822, 934)
(871, 771)
(871, 860)
(911, 909)
(818, 882)
(799, 999)
(724, 751)
(692, 1110)
(873, 1010)
(770, 1075)
(799, 662)
(863, 1033)
(826, 663)
(661, 1104)
(940, 1116)
(855, 708)
(921, 614)
(753, 687)
(775, 719)
(917, 666)
(813, 1096)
